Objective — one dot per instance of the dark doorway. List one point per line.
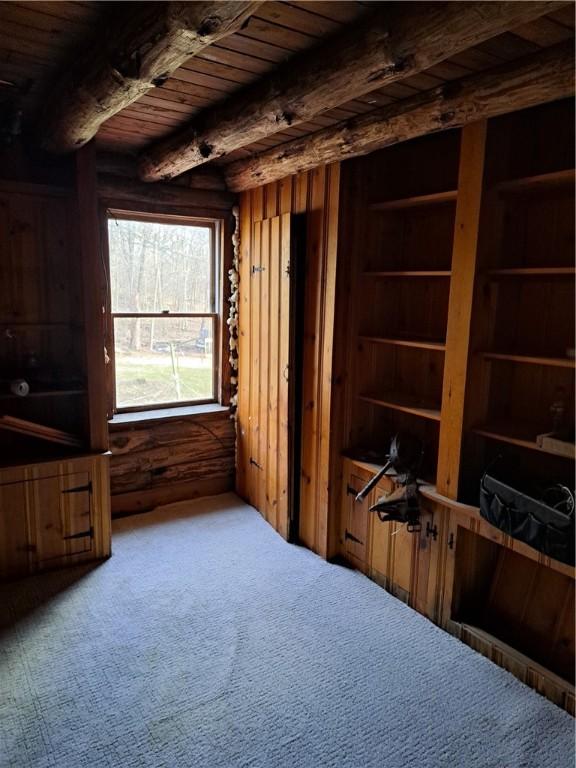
(297, 303)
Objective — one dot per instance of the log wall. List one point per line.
(159, 462)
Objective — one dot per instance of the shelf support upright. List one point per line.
(89, 249)
(458, 335)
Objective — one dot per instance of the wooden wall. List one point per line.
(315, 194)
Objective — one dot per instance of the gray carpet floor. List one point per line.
(206, 641)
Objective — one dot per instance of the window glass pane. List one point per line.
(156, 267)
(163, 360)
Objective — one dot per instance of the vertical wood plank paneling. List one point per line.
(263, 407)
(263, 277)
(274, 371)
(271, 200)
(257, 204)
(254, 385)
(283, 384)
(285, 187)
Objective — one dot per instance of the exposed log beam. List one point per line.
(394, 43)
(535, 79)
(132, 190)
(116, 164)
(134, 53)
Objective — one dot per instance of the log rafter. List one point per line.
(542, 77)
(138, 52)
(394, 43)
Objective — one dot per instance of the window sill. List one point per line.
(121, 420)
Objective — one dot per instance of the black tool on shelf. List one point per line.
(405, 459)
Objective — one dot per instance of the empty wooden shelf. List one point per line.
(400, 402)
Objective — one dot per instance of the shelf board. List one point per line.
(45, 393)
(415, 343)
(533, 272)
(399, 402)
(513, 435)
(553, 362)
(19, 324)
(556, 178)
(413, 202)
(513, 653)
(409, 273)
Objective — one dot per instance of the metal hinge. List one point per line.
(451, 541)
(350, 537)
(257, 269)
(255, 463)
(80, 488)
(81, 535)
(431, 530)
(351, 491)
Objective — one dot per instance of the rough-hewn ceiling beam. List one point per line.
(396, 42)
(535, 79)
(121, 189)
(137, 52)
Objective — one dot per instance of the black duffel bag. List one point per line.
(549, 530)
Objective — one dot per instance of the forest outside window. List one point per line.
(164, 298)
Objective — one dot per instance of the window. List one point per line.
(164, 299)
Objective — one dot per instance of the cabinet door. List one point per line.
(392, 551)
(401, 561)
(434, 548)
(407, 564)
(62, 513)
(355, 520)
(380, 542)
(14, 543)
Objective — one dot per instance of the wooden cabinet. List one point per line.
(458, 292)
(53, 514)
(404, 563)
(54, 478)
(355, 520)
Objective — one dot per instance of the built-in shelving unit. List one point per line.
(401, 283)
(48, 319)
(521, 379)
(460, 330)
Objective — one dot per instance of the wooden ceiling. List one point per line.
(40, 39)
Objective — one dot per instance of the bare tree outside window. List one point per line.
(164, 295)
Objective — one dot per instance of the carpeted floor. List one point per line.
(208, 642)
